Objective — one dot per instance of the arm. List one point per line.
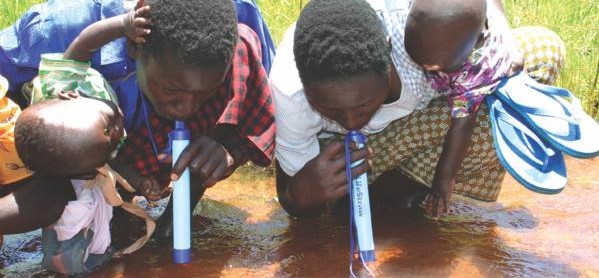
(146, 186)
(295, 206)
(457, 141)
(104, 31)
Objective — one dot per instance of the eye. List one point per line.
(107, 131)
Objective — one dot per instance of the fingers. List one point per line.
(142, 11)
(361, 154)
(206, 159)
(140, 4)
(186, 157)
(137, 23)
(333, 150)
(362, 168)
(217, 174)
(436, 206)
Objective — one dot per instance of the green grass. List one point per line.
(10, 10)
(576, 21)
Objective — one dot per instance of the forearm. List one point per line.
(289, 194)
(95, 36)
(455, 147)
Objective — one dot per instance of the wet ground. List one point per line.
(240, 231)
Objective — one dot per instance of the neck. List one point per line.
(395, 84)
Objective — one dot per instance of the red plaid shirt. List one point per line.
(243, 102)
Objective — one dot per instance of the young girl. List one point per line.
(465, 48)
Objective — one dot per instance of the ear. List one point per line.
(389, 43)
(133, 50)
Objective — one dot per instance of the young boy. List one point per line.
(206, 71)
(346, 74)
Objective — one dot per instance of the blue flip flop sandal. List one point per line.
(553, 113)
(528, 158)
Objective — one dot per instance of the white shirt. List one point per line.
(298, 125)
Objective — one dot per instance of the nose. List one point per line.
(186, 107)
(351, 120)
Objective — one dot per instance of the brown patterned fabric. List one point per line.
(414, 143)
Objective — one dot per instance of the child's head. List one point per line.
(187, 54)
(69, 138)
(343, 58)
(441, 34)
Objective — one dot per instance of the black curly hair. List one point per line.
(56, 146)
(337, 39)
(200, 32)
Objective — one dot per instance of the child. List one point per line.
(79, 242)
(69, 75)
(339, 71)
(78, 147)
(466, 48)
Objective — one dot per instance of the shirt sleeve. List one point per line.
(57, 74)
(50, 27)
(297, 124)
(251, 108)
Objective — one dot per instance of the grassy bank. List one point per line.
(576, 21)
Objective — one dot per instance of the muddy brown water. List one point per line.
(239, 230)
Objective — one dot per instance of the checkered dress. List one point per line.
(413, 144)
(243, 102)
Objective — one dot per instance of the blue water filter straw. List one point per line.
(181, 197)
(361, 205)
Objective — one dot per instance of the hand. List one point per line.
(207, 159)
(517, 63)
(438, 201)
(68, 95)
(151, 189)
(323, 179)
(136, 22)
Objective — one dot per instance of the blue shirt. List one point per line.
(50, 27)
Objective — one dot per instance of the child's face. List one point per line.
(102, 137)
(177, 91)
(352, 101)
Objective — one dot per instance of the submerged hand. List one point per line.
(438, 201)
(207, 159)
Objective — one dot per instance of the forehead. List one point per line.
(169, 72)
(347, 92)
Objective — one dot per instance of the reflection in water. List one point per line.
(240, 230)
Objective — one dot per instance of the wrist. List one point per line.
(299, 202)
